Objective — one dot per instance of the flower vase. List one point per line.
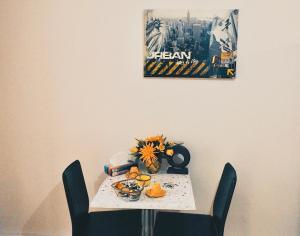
(153, 167)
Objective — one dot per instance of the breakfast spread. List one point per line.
(130, 189)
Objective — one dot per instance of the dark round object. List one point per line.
(181, 157)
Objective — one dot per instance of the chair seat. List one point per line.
(112, 223)
(179, 224)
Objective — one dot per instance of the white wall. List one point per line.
(71, 86)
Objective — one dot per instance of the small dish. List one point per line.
(133, 172)
(128, 190)
(156, 191)
(143, 180)
(162, 193)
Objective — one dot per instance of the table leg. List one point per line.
(148, 220)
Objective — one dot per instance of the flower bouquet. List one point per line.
(151, 151)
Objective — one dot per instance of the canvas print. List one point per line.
(190, 43)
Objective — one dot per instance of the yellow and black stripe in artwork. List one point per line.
(183, 66)
(204, 71)
(163, 70)
(150, 65)
(190, 68)
(156, 68)
(173, 68)
(196, 69)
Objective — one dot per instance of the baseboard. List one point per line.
(33, 234)
(23, 234)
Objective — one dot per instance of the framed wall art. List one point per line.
(190, 43)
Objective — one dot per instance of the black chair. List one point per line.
(95, 223)
(180, 224)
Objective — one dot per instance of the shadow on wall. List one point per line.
(240, 207)
(52, 215)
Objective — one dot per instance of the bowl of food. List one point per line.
(128, 190)
(143, 180)
(133, 172)
(155, 191)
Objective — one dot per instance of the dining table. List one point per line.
(179, 197)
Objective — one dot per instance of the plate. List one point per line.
(161, 194)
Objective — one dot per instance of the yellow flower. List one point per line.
(171, 143)
(158, 138)
(133, 149)
(148, 153)
(161, 147)
(170, 152)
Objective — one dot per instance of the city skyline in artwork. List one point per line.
(190, 43)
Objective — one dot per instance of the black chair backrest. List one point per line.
(223, 197)
(76, 193)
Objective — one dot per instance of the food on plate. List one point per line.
(125, 190)
(128, 189)
(143, 180)
(133, 172)
(134, 169)
(156, 191)
(119, 185)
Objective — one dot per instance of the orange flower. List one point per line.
(148, 153)
(161, 147)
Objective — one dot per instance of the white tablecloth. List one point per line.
(180, 197)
